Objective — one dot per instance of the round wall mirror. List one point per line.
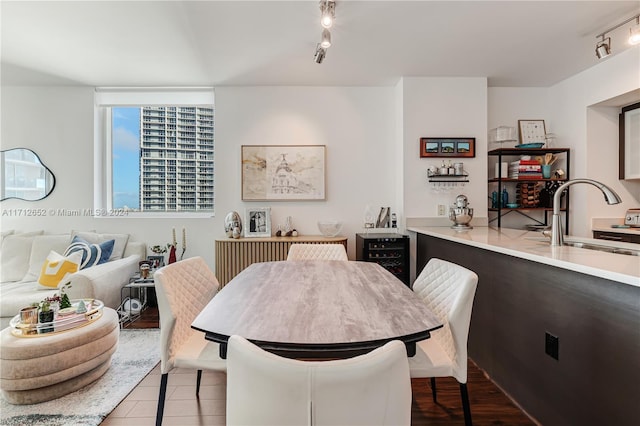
(24, 176)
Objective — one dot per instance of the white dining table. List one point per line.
(317, 309)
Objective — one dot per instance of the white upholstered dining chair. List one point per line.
(303, 251)
(266, 389)
(448, 289)
(183, 289)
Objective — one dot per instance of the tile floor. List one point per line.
(181, 407)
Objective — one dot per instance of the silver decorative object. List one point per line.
(233, 224)
(461, 214)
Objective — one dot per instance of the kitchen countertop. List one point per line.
(535, 247)
(604, 225)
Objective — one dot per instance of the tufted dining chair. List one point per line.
(302, 251)
(448, 290)
(266, 389)
(183, 289)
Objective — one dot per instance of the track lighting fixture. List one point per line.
(328, 9)
(328, 15)
(603, 47)
(326, 39)
(321, 52)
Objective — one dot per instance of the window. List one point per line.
(154, 152)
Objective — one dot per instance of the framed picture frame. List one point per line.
(257, 222)
(447, 147)
(156, 261)
(283, 172)
(532, 131)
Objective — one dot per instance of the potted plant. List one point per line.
(64, 297)
(54, 303)
(45, 316)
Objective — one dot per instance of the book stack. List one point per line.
(525, 169)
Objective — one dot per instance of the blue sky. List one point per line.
(126, 153)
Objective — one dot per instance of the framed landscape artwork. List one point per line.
(283, 172)
(447, 147)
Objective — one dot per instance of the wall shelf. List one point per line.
(511, 182)
(433, 177)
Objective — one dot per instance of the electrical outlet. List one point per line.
(441, 209)
(551, 345)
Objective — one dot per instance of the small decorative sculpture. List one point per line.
(232, 222)
(236, 232)
(82, 308)
(289, 230)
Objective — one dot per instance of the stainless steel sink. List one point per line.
(608, 249)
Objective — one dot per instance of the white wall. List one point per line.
(593, 136)
(356, 125)
(443, 107)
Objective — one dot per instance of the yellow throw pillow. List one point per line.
(57, 268)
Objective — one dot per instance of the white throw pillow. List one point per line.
(95, 238)
(14, 258)
(40, 249)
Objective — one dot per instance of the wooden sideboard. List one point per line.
(233, 255)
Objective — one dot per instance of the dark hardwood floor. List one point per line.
(489, 405)
(149, 318)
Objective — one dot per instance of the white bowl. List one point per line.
(329, 228)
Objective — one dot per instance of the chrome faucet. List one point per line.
(610, 197)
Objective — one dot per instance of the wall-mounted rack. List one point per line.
(435, 177)
(446, 183)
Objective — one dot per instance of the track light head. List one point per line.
(603, 48)
(328, 9)
(321, 52)
(326, 39)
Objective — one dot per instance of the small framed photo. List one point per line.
(447, 147)
(257, 222)
(532, 131)
(155, 261)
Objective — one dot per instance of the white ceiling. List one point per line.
(187, 43)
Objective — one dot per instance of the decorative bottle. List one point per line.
(494, 200)
(505, 197)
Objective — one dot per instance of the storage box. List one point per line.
(502, 134)
(505, 170)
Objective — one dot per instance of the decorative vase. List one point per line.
(172, 255)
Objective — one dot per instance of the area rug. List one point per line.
(137, 354)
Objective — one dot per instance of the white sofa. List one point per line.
(22, 256)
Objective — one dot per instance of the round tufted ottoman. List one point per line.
(37, 369)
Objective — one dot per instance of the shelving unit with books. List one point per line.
(524, 180)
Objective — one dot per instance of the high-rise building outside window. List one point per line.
(154, 160)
